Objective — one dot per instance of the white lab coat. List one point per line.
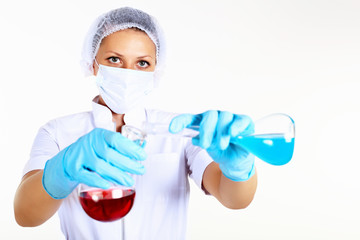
(162, 193)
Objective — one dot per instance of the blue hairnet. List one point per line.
(116, 20)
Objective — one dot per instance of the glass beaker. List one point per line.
(111, 204)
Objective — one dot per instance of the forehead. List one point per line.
(132, 39)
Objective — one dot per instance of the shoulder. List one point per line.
(69, 122)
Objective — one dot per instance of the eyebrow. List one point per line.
(115, 53)
(145, 56)
(120, 55)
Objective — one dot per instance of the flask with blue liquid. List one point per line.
(273, 139)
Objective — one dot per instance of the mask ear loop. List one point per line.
(96, 62)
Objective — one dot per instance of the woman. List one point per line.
(124, 50)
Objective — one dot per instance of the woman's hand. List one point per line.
(95, 159)
(216, 128)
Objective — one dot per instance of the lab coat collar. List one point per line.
(135, 117)
(103, 116)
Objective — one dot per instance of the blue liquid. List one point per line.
(271, 148)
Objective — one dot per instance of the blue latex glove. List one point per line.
(96, 159)
(215, 130)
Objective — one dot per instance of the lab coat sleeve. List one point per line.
(43, 148)
(198, 159)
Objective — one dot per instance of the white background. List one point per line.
(252, 57)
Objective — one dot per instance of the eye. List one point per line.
(114, 60)
(143, 64)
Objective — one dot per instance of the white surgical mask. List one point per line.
(123, 89)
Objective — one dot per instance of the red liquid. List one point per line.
(107, 205)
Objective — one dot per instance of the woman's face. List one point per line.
(129, 48)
